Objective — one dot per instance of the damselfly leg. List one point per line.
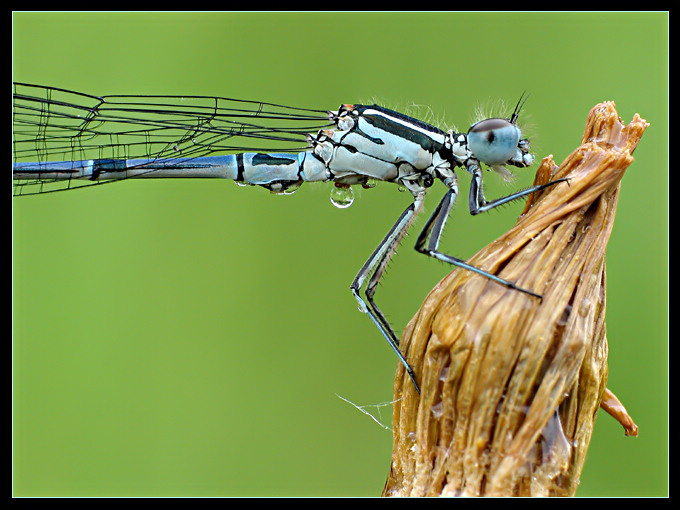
(429, 237)
(375, 267)
(427, 243)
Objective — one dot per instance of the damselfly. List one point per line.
(66, 140)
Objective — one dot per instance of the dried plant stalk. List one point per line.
(510, 384)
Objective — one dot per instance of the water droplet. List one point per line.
(437, 411)
(370, 183)
(278, 189)
(292, 188)
(342, 197)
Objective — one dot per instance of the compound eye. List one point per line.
(493, 141)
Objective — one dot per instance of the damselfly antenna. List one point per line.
(518, 107)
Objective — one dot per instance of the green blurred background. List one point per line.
(191, 338)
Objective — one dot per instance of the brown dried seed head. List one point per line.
(511, 384)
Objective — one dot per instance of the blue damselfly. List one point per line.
(65, 140)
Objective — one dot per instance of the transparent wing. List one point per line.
(57, 125)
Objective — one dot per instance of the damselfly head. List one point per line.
(494, 141)
(497, 141)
